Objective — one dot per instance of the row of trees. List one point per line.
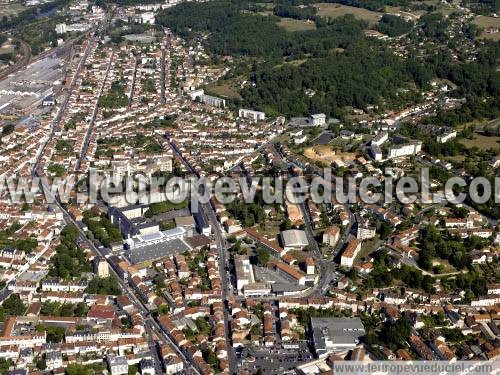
(304, 315)
(162, 207)
(64, 309)
(485, 7)
(375, 5)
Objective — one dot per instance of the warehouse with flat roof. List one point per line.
(335, 335)
(294, 239)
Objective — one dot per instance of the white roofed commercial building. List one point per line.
(294, 239)
(318, 119)
(336, 335)
(244, 272)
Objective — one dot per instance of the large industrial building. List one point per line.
(315, 120)
(26, 89)
(62, 28)
(335, 335)
(244, 272)
(157, 245)
(294, 239)
(144, 241)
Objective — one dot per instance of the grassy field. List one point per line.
(299, 255)
(269, 6)
(11, 9)
(440, 7)
(426, 2)
(292, 25)
(457, 158)
(484, 22)
(482, 142)
(368, 247)
(446, 10)
(415, 14)
(479, 125)
(446, 267)
(224, 89)
(291, 62)
(436, 3)
(6, 50)
(337, 10)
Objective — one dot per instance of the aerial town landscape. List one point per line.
(158, 280)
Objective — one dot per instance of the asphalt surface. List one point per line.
(134, 82)
(126, 289)
(90, 127)
(57, 120)
(327, 268)
(224, 276)
(68, 219)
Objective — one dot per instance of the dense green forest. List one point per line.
(393, 25)
(484, 6)
(31, 14)
(234, 32)
(358, 76)
(365, 74)
(334, 62)
(367, 4)
(434, 26)
(290, 11)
